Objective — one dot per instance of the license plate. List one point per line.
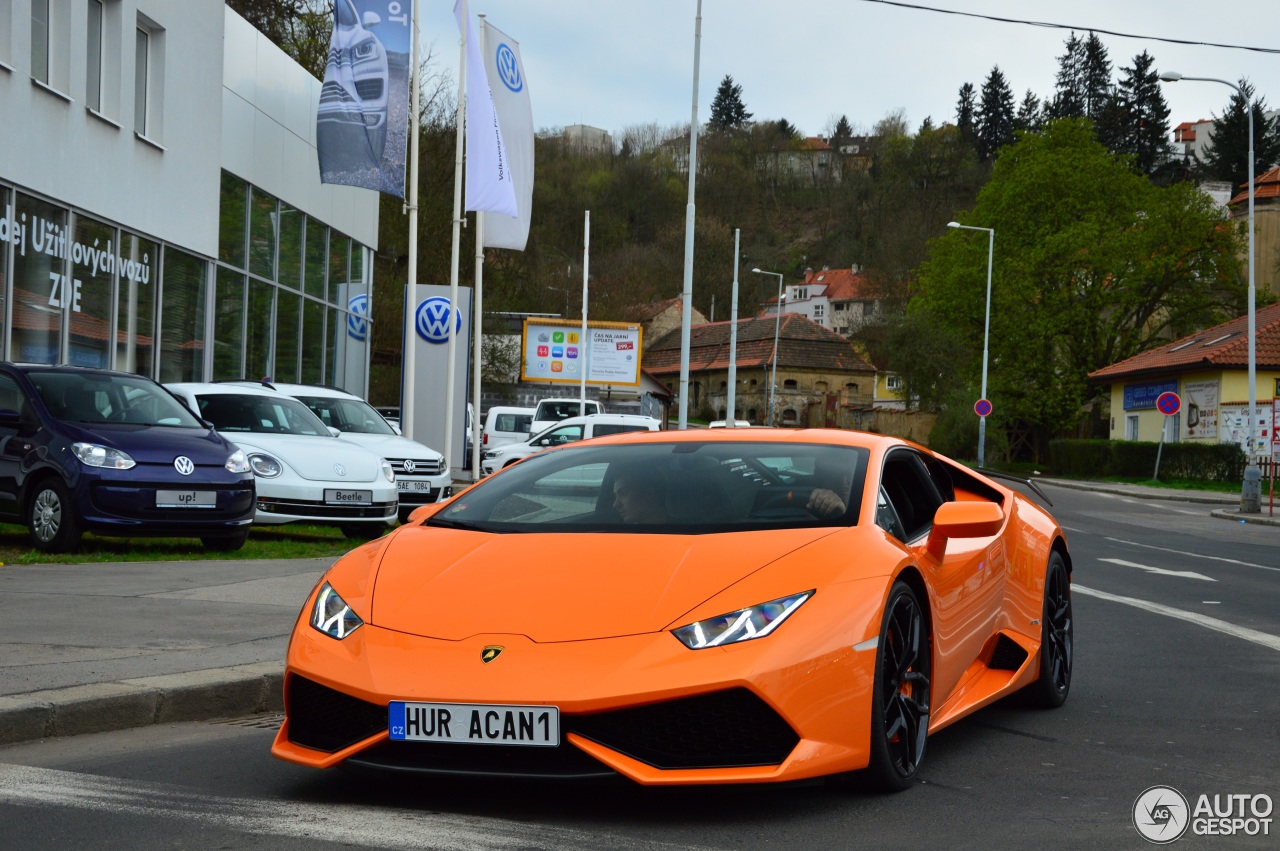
(416, 487)
(474, 723)
(340, 497)
(186, 499)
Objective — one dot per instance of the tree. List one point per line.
(1228, 156)
(728, 112)
(1143, 127)
(842, 133)
(1068, 97)
(1095, 78)
(965, 113)
(787, 132)
(1089, 269)
(994, 120)
(1029, 118)
(301, 28)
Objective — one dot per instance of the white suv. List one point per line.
(421, 473)
(302, 471)
(566, 431)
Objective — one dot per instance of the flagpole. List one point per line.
(731, 418)
(477, 425)
(457, 242)
(583, 346)
(410, 353)
(686, 319)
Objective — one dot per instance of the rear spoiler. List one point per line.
(996, 474)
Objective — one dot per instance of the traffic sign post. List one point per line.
(1168, 403)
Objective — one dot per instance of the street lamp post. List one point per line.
(1250, 497)
(986, 335)
(777, 324)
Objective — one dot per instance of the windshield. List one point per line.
(347, 414)
(100, 398)
(261, 414)
(668, 488)
(562, 409)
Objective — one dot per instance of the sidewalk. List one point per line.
(91, 647)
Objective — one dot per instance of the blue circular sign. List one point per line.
(508, 68)
(982, 408)
(1169, 403)
(431, 320)
(358, 319)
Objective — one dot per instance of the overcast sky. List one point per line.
(617, 63)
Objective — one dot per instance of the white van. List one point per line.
(552, 411)
(569, 430)
(503, 425)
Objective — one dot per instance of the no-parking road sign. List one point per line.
(982, 407)
(1169, 403)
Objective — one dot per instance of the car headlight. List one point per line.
(492, 453)
(331, 614)
(265, 466)
(365, 50)
(742, 625)
(387, 472)
(93, 455)
(237, 462)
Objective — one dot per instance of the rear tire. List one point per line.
(225, 543)
(1057, 638)
(52, 519)
(901, 695)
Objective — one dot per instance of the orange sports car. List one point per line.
(727, 606)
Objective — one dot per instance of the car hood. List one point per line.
(392, 446)
(313, 458)
(453, 584)
(155, 444)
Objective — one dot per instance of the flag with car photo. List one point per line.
(362, 119)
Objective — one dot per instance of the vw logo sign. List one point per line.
(509, 68)
(339, 469)
(409, 466)
(432, 321)
(184, 465)
(358, 319)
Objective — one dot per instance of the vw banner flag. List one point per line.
(489, 185)
(510, 88)
(362, 121)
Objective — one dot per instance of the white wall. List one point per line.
(269, 133)
(50, 142)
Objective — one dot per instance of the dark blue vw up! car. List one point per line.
(114, 454)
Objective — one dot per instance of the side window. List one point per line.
(887, 518)
(909, 489)
(11, 397)
(603, 429)
(567, 434)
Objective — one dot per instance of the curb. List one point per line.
(1119, 490)
(195, 696)
(1237, 517)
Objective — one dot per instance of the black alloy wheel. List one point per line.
(901, 695)
(51, 518)
(1057, 638)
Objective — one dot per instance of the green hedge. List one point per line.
(1221, 462)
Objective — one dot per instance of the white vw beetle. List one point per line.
(304, 473)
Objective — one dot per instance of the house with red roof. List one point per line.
(1209, 371)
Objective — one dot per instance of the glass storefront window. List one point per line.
(136, 304)
(288, 315)
(231, 220)
(228, 325)
(292, 227)
(312, 342)
(339, 254)
(332, 373)
(262, 235)
(182, 312)
(257, 331)
(39, 282)
(317, 258)
(96, 259)
(357, 261)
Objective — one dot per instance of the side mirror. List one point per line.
(371, 19)
(963, 520)
(333, 431)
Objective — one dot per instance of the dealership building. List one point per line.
(161, 210)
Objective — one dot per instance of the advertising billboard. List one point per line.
(554, 350)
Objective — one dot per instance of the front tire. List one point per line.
(52, 520)
(1057, 638)
(900, 698)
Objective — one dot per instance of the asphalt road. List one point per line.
(1177, 669)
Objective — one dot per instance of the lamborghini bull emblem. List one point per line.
(490, 653)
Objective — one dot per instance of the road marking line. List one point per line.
(1193, 555)
(1189, 574)
(1263, 638)
(365, 826)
